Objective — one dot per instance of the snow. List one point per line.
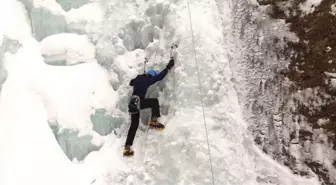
(36, 94)
(309, 6)
(56, 20)
(50, 5)
(333, 9)
(321, 122)
(72, 96)
(13, 16)
(80, 14)
(30, 153)
(68, 47)
(30, 98)
(333, 75)
(81, 21)
(333, 83)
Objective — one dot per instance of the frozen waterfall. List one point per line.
(65, 68)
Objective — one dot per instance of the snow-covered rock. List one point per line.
(72, 93)
(85, 19)
(309, 6)
(67, 49)
(333, 9)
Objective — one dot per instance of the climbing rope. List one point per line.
(200, 88)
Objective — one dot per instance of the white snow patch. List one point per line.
(330, 74)
(32, 94)
(322, 121)
(309, 6)
(14, 23)
(328, 49)
(286, 175)
(72, 93)
(29, 153)
(333, 83)
(88, 12)
(69, 93)
(50, 5)
(70, 47)
(255, 2)
(319, 152)
(333, 9)
(87, 18)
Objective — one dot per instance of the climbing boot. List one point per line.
(156, 125)
(128, 152)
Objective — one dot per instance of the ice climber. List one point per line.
(138, 101)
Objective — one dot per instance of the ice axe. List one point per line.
(172, 47)
(145, 62)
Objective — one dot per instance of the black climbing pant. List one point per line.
(152, 103)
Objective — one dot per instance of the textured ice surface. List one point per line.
(103, 123)
(68, 5)
(75, 146)
(47, 18)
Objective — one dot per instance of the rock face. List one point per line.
(288, 87)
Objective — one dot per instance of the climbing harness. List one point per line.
(200, 88)
(134, 105)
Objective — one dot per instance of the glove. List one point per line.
(171, 63)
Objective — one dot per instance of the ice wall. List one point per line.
(84, 103)
(30, 153)
(46, 18)
(68, 5)
(69, 113)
